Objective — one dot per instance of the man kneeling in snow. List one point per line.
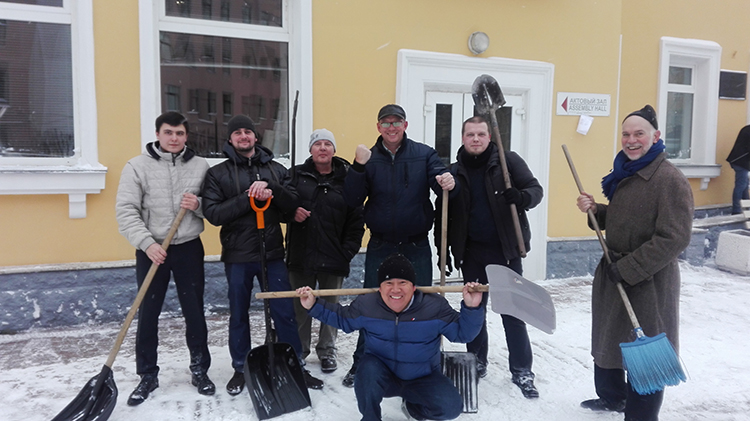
(403, 328)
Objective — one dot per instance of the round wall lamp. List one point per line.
(478, 42)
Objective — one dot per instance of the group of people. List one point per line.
(326, 202)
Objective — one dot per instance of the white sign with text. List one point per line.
(571, 103)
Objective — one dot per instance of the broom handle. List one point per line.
(142, 290)
(363, 291)
(443, 237)
(595, 224)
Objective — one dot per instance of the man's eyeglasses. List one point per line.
(394, 124)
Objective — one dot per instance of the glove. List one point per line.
(614, 256)
(513, 195)
(613, 274)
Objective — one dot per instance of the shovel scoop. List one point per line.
(487, 95)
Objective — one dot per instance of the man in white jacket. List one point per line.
(153, 188)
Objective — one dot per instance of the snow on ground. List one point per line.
(42, 370)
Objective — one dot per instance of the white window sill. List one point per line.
(76, 182)
(703, 171)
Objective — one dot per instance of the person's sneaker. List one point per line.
(603, 405)
(203, 383)
(526, 384)
(481, 370)
(148, 384)
(349, 378)
(312, 382)
(328, 364)
(236, 383)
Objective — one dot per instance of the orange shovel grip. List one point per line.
(261, 222)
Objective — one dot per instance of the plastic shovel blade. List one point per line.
(275, 380)
(461, 368)
(94, 402)
(512, 294)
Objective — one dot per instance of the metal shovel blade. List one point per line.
(94, 402)
(275, 380)
(487, 94)
(461, 368)
(512, 294)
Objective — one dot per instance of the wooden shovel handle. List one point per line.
(602, 242)
(363, 291)
(142, 290)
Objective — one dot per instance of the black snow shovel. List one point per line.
(273, 373)
(460, 367)
(98, 397)
(488, 97)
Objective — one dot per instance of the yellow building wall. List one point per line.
(355, 47)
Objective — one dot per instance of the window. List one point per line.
(253, 37)
(48, 141)
(688, 105)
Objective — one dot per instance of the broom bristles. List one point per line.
(652, 364)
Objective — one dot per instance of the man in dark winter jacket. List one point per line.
(395, 176)
(739, 159)
(403, 328)
(324, 237)
(153, 188)
(250, 171)
(481, 232)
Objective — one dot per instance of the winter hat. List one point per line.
(392, 109)
(396, 266)
(322, 134)
(647, 113)
(240, 122)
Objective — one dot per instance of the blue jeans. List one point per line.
(740, 188)
(430, 397)
(240, 277)
(520, 357)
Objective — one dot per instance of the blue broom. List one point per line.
(651, 363)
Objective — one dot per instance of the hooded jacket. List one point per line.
(226, 204)
(150, 192)
(407, 342)
(331, 236)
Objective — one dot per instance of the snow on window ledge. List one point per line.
(76, 182)
(703, 171)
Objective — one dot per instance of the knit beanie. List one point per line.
(240, 122)
(647, 113)
(396, 266)
(322, 134)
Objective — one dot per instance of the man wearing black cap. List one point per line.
(402, 352)
(395, 176)
(648, 222)
(250, 171)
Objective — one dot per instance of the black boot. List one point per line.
(312, 382)
(526, 384)
(236, 383)
(204, 384)
(349, 377)
(149, 383)
(603, 405)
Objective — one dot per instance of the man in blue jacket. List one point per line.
(403, 327)
(395, 176)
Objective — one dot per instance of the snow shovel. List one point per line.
(460, 367)
(98, 397)
(488, 97)
(651, 363)
(273, 373)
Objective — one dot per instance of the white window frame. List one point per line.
(296, 31)
(704, 57)
(80, 174)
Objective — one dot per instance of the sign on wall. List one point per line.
(572, 103)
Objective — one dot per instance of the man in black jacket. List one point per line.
(739, 159)
(250, 171)
(481, 232)
(324, 237)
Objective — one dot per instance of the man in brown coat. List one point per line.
(648, 223)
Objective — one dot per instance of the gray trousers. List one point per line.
(326, 347)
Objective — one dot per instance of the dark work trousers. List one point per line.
(418, 253)
(476, 258)
(431, 397)
(740, 191)
(326, 347)
(611, 386)
(240, 277)
(185, 262)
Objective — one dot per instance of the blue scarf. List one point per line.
(623, 168)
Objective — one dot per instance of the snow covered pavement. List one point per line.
(42, 370)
